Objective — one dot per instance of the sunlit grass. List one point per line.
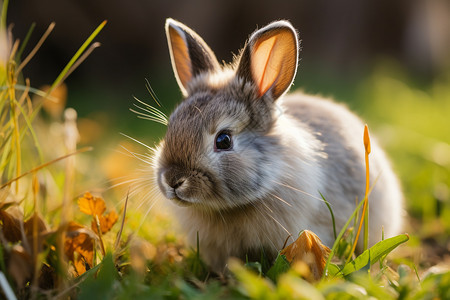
(33, 254)
(146, 257)
(414, 128)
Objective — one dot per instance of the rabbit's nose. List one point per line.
(172, 180)
(177, 184)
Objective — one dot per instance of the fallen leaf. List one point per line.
(106, 222)
(10, 227)
(28, 225)
(90, 205)
(309, 249)
(47, 277)
(79, 247)
(20, 265)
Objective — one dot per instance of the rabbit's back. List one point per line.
(340, 133)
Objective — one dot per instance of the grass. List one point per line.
(59, 242)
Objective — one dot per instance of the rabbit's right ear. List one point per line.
(190, 55)
(269, 60)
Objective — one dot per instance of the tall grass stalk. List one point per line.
(365, 211)
(17, 113)
(36, 48)
(3, 15)
(366, 205)
(10, 82)
(74, 59)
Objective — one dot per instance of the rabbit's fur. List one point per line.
(285, 151)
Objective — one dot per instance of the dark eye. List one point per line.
(223, 141)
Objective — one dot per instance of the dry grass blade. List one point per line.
(85, 149)
(73, 60)
(77, 63)
(25, 41)
(36, 48)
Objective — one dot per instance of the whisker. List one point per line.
(303, 192)
(266, 213)
(153, 113)
(151, 110)
(130, 181)
(146, 214)
(135, 140)
(135, 155)
(149, 118)
(152, 92)
(284, 201)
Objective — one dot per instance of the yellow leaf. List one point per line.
(79, 247)
(90, 205)
(308, 248)
(106, 222)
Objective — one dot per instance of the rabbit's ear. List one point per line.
(270, 57)
(190, 55)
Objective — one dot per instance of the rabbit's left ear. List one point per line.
(269, 60)
(189, 53)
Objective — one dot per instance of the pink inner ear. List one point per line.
(181, 57)
(273, 62)
(264, 70)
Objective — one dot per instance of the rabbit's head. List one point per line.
(219, 151)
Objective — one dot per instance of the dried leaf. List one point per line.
(79, 247)
(20, 266)
(4, 204)
(309, 249)
(91, 205)
(106, 222)
(10, 227)
(36, 240)
(47, 277)
(28, 225)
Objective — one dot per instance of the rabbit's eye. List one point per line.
(223, 141)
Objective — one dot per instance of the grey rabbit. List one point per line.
(244, 163)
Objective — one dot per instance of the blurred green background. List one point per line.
(389, 60)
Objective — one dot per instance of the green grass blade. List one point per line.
(25, 41)
(280, 266)
(334, 271)
(19, 87)
(332, 214)
(76, 56)
(6, 154)
(341, 233)
(3, 17)
(32, 132)
(373, 254)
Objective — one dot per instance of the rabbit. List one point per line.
(243, 163)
